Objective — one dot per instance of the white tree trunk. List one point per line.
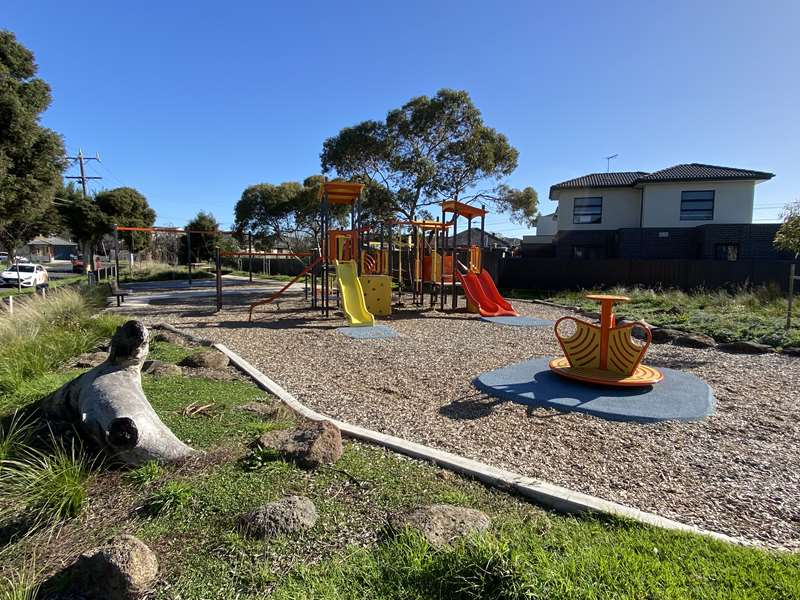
(107, 404)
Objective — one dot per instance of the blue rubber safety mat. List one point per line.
(376, 332)
(518, 321)
(679, 396)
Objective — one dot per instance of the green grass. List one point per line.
(43, 334)
(172, 497)
(22, 585)
(155, 271)
(54, 284)
(757, 314)
(45, 486)
(144, 475)
(553, 558)
(264, 276)
(167, 352)
(219, 423)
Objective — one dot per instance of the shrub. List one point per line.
(171, 497)
(15, 433)
(22, 585)
(145, 474)
(44, 333)
(49, 486)
(260, 458)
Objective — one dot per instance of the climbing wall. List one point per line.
(377, 294)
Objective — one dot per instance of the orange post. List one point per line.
(606, 322)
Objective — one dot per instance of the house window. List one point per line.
(726, 252)
(697, 206)
(587, 210)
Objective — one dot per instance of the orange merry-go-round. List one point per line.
(604, 354)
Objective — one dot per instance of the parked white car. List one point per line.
(28, 275)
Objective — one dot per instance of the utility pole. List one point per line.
(83, 177)
(87, 261)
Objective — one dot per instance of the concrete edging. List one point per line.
(547, 494)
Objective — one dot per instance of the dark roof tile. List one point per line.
(686, 172)
(701, 172)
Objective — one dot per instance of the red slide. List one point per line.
(476, 291)
(490, 289)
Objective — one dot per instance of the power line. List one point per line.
(83, 176)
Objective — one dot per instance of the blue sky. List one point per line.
(190, 102)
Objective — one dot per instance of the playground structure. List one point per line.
(367, 263)
(604, 354)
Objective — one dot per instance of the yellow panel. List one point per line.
(377, 294)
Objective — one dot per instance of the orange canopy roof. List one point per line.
(461, 209)
(341, 192)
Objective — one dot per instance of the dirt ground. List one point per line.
(736, 472)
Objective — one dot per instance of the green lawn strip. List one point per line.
(163, 272)
(553, 557)
(220, 423)
(757, 315)
(167, 352)
(352, 499)
(264, 276)
(52, 285)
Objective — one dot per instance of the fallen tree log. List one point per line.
(107, 404)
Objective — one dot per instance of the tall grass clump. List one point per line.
(16, 432)
(43, 333)
(44, 487)
(22, 585)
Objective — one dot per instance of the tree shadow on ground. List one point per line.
(475, 405)
(279, 323)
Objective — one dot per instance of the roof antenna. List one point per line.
(608, 161)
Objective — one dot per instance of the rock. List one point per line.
(122, 569)
(206, 359)
(91, 359)
(442, 524)
(664, 335)
(266, 410)
(170, 337)
(310, 445)
(207, 373)
(293, 513)
(160, 368)
(694, 340)
(637, 331)
(792, 351)
(745, 347)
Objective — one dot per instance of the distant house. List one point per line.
(490, 240)
(49, 248)
(685, 211)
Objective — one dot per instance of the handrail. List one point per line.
(284, 288)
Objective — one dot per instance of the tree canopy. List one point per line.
(288, 212)
(31, 156)
(428, 150)
(89, 219)
(788, 234)
(202, 244)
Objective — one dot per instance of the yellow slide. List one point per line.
(352, 295)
